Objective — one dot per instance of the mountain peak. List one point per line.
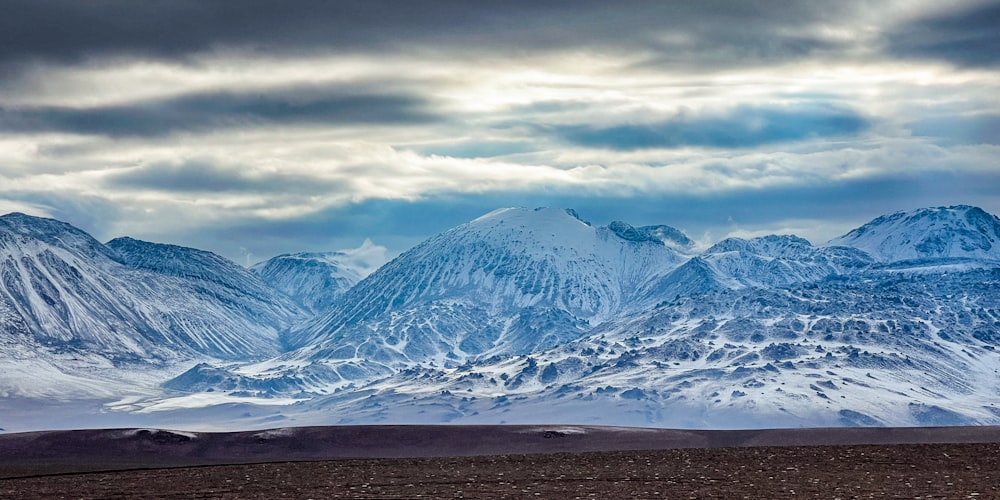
(535, 215)
(666, 235)
(959, 231)
(772, 245)
(30, 224)
(21, 216)
(511, 281)
(178, 261)
(313, 279)
(162, 256)
(17, 228)
(531, 229)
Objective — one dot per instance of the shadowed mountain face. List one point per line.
(315, 280)
(75, 306)
(487, 271)
(511, 282)
(535, 315)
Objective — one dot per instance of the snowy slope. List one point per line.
(214, 305)
(510, 282)
(928, 233)
(314, 280)
(781, 260)
(463, 293)
(760, 332)
(537, 316)
(71, 304)
(825, 353)
(759, 262)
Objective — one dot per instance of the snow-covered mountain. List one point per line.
(222, 308)
(537, 316)
(511, 282)
(930, 233)
(70, 305)
(315, 280)
(760, 332)
(502, 263)
(825, 353)
(759, 262)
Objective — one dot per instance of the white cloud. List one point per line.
(7, 206)
(366, 258)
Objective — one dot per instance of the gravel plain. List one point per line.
(900, 470)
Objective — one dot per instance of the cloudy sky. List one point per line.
(257, 127)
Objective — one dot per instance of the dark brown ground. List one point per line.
(749, 465)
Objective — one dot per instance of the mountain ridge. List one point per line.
(948, 232)
(536, 313)
(768, 329)
(486, 273)
(315, 280)
(75, 308)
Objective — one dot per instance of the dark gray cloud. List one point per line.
(966, 37)
(215, 110)
(206, 177)
(743, 126)
(68, 31)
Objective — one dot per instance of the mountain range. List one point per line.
(521, 315)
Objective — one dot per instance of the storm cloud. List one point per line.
(215, 110)
(67, 31)
(206, 177)
(962, 35)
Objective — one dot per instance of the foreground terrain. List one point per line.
(909, 471)
(504, 462)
